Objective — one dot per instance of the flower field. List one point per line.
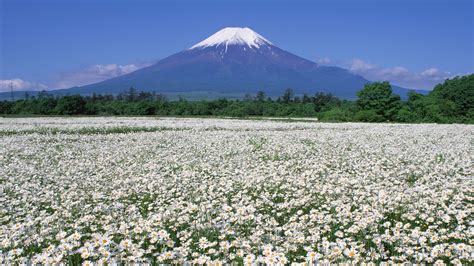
(216, 191)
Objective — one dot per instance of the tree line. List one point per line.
(449, 102)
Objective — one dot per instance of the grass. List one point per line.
(257, 143)
(275, 157)
(258, 118)
(88, 131)
(411, 179)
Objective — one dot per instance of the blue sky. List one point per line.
(56, 44)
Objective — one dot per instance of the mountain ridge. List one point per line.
(233, 61)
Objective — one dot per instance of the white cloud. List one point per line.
(399, 75)
(20, 85)
(434, 73)
(96, 73)
(323, 61)
(358, 66)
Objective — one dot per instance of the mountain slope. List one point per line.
(233, 60)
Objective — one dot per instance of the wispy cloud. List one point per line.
(324, 61)
(20, 85)
(399, 75)
(95, 73)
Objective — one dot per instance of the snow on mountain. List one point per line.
(233, 35)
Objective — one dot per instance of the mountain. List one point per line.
(233, 61)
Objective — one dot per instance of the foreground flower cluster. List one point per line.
(118, 190)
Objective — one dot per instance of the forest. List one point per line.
(449, 102)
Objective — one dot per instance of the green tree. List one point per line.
(323, 101)
(378, 98)
(287, 95)
(260, 96)
(455, 97)
(368, 116)
(131, 94)
(70, 105)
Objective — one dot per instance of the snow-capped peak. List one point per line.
(233, 35)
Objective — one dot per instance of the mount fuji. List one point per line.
(230, 62)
